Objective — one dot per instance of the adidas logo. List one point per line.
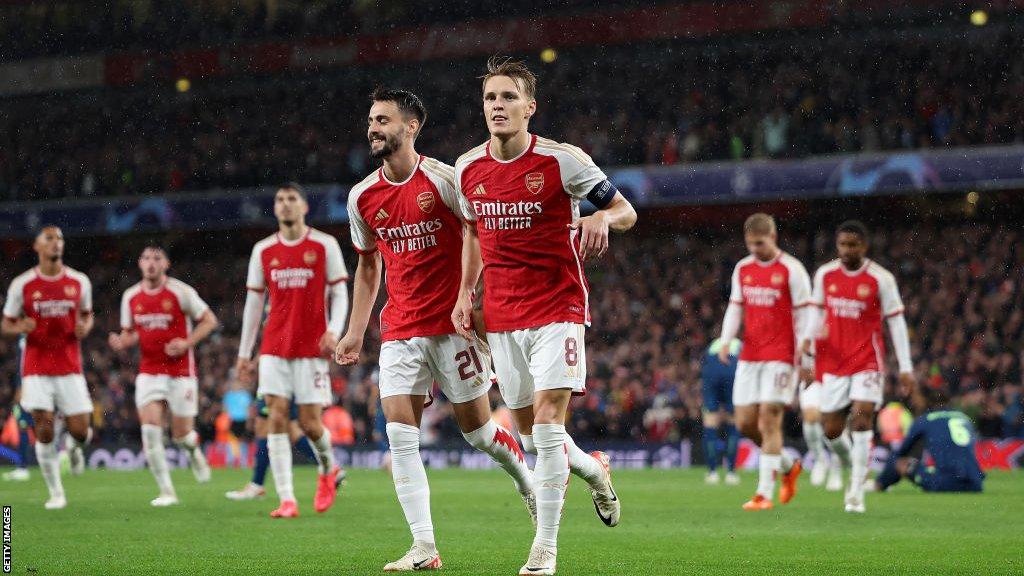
(479, 190)
(381, 214)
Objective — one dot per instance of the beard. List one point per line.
(390, 146)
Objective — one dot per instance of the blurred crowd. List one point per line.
(657, 301)
(782, 96)
(66, 27)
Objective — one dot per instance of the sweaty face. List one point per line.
(506, 108)
(852, 248)
(289, 207)
(153, 263)
(761, 246)
(50, 243)
(386, 129)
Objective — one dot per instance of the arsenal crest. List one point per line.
(425, 200)
(138, 309)
(832, 288)
(535, 182)
(863, 291)
(274, 263)
(166, 304)
(70, 291)
(309, 257)
(777, 279)
(747, 279)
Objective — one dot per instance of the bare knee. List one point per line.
(748, 425)
(769, 419)
(78, 426)
(181, 428)
(549, 406)
(44, 428)
(311, 425)
(862, 417)
(833, 425)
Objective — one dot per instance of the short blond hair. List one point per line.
(514, 69)
(759, 224)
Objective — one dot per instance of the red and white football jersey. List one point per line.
(770, 293)
(296, 275)
(54, 303)
(159, 316)
(417, 226)
(533, 274)
(855, 303)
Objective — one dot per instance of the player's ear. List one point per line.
(531, 109)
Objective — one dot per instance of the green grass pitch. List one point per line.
(671, 524)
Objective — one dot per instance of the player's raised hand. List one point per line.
(176, 347)
(328, 343)
(593, 234)
(245, 370)
(462, 317)
(347, 350)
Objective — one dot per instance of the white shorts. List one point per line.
(839, 391)
(305, 380)
(461, 369)
(68, 393)
(548, 357)
(181, 393)
(810, 396)
(763, 383)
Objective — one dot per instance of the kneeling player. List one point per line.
(157, 314)
(938, 452)
(416, 226)
(856, 294)
(50, 306)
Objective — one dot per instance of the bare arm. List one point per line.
(120, 341)
(207, 324)
(618, 215)
(84, 324)
(472, 265)
(365, 285)
(14, 327)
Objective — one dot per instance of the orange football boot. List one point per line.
(788, 487)
(757, 503)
